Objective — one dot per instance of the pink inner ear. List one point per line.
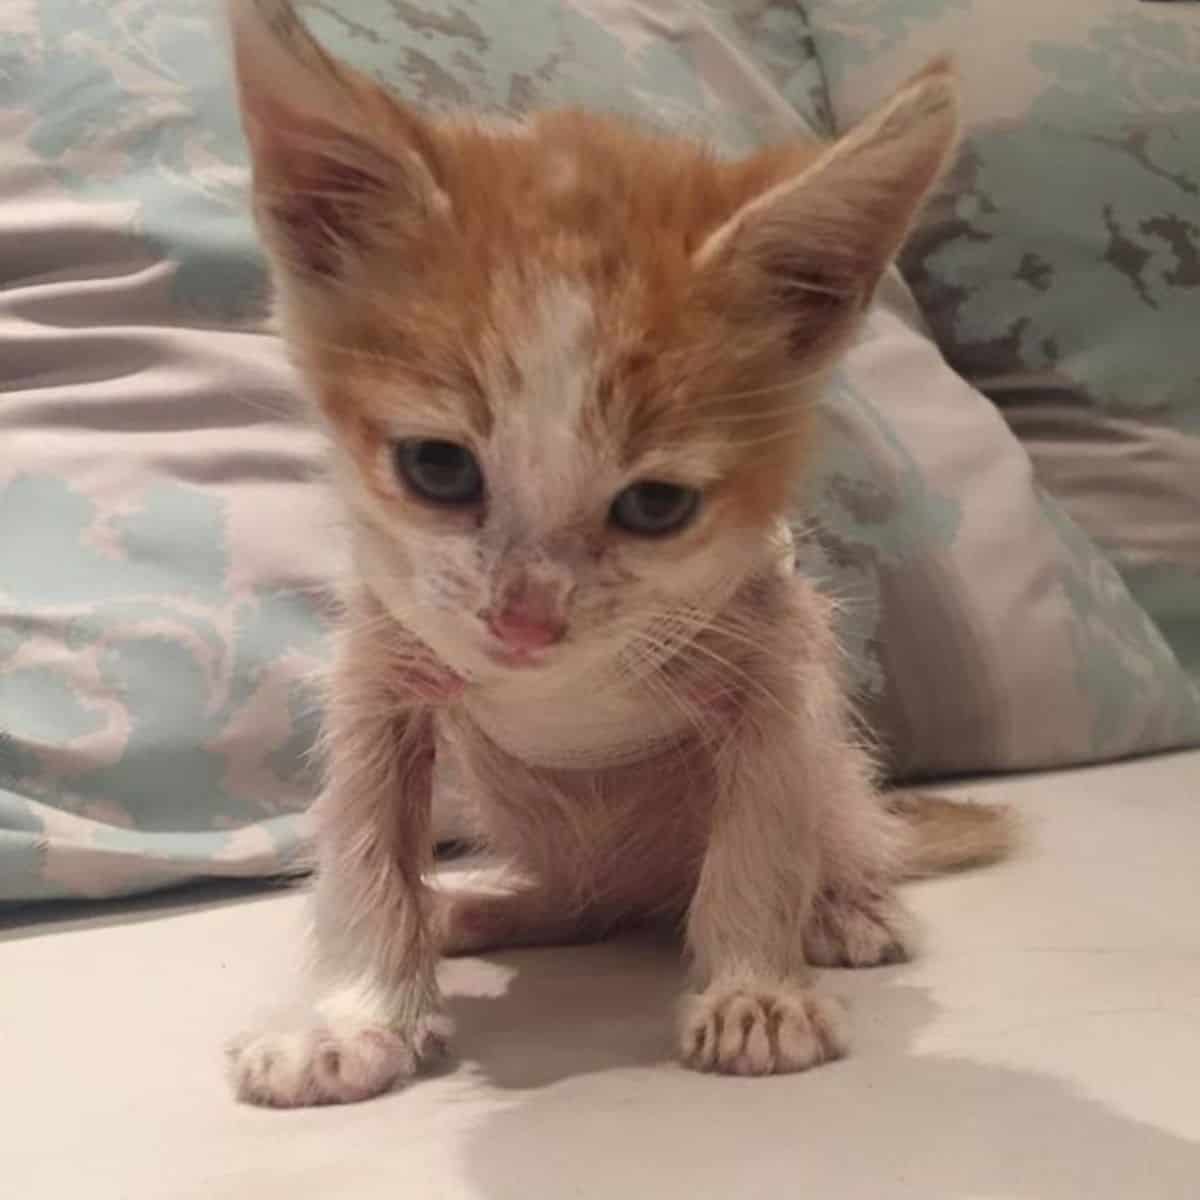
(329, 145)
(321, 211)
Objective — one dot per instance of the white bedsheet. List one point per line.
(1045, 1046)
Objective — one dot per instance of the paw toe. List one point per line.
(268, 1069)
(812, 1030)
(745, 1043)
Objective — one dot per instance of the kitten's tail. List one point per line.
(952, 835)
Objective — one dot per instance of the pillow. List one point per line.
(985, 632)
(157, 634)
(163, 549)
(1060, 270)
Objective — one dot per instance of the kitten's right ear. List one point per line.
(803, 259)
(337, 160)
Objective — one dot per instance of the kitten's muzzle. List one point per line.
(528, 617)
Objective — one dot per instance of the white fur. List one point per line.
(536, 454)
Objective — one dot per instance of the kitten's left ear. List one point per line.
(335, 156)
(810, 251)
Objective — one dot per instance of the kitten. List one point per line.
(566, 369)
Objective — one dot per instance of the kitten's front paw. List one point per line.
(330, 1066)
(847, 930)
(772, 1028)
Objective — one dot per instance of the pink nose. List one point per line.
(524, 631)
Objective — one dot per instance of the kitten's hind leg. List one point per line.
(858, 926)
(857, 918)
(479, 916)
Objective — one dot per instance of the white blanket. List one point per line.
(1046, 1046)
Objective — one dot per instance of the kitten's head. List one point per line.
(566, 365)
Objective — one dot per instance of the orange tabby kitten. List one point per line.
(566, 367)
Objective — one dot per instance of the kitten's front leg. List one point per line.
(754, 1011)
(788, 761)
(379, 1016)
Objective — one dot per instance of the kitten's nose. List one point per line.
(528, 614)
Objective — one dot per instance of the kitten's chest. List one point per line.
(588, 721)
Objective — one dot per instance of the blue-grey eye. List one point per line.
(654, 509)
(440, 472)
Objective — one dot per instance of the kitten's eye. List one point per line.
(653, 509)
(440, 472)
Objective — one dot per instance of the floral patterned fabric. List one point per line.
(985, 630)
(165, 550)
(1061, 268)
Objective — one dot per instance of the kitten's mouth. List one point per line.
(521, 641)
(516, 657)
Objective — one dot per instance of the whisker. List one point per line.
(281, 412)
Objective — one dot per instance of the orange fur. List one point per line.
(650, 728)
(625, 234)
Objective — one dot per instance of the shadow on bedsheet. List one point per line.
(570, 1011)
(886, 1124)
(56, 916)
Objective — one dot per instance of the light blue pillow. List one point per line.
(1060, 269)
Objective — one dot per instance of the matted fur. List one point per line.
(583, 305)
